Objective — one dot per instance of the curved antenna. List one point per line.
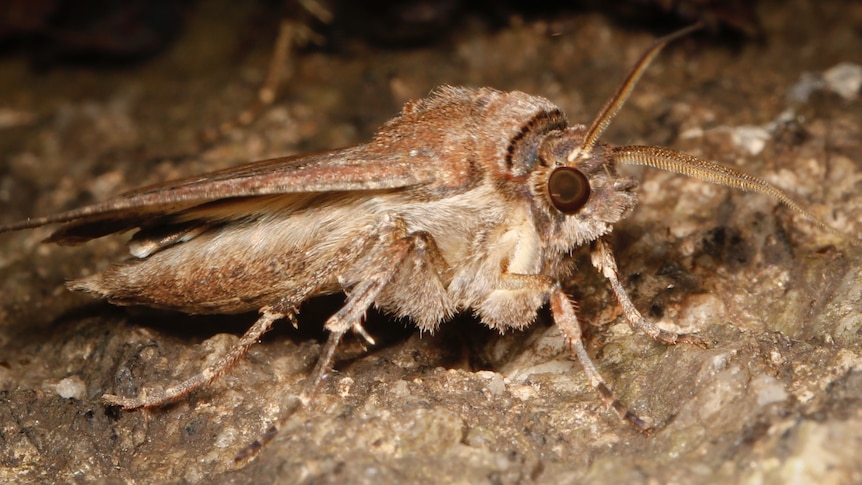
(601, 122)
(708, 171)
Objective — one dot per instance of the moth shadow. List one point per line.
(310, 322)
(462, 342)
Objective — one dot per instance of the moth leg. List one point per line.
(566, 319)
(378, 272)
(294, 404)
(147, 398)
(292, 33)
(520, 281)
(603, 259)
(360, 331)
(359, 300)
(350, 316)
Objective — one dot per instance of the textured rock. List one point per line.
(775, 399)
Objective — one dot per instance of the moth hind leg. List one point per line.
(149, 398)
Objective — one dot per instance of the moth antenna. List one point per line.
(708, 171)
(613, 105)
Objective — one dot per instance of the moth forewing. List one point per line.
(347, 169)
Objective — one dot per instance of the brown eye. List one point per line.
(569, 189)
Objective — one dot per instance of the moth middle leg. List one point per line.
(377, 270)
(413, 256)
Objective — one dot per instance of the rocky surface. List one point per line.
(776, 398)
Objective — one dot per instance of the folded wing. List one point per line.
(348, 169)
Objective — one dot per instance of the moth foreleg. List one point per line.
(566, 319)
(603, 259)
(148, 398)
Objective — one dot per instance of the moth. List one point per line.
(468, 200)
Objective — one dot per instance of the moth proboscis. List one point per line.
(469, 199)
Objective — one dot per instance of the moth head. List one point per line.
(577, 179)
(576, 202)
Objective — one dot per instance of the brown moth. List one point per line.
(469, 199)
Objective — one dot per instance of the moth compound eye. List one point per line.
(569, 189)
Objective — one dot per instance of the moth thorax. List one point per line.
(522, 153)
